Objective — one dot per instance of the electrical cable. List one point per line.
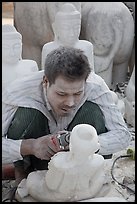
(112, 168)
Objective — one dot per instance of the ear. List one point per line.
(54, 30)
(45, 80)
(53, 26)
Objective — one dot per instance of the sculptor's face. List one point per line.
(11, 50)
(64, 95)
(68, 31)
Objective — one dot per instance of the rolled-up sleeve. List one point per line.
(114, 141)
(10, 150)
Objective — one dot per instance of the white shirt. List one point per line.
(28, 92)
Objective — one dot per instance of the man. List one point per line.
(39, 106)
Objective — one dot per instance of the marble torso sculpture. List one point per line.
(13, 66)
(74, 175)
(67, 26)
(130, 100)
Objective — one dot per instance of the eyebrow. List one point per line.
(66, 92)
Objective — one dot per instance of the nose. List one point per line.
(12, 53)
(70, 102)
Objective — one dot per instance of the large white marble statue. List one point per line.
(131, 7)
(105, 25)
(67, 26)
(35, 19)
(130, 100)
(13, 66)
(71, 176)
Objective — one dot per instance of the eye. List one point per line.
(17, 46)
(78, 94)
(4, 46)
(61, 94)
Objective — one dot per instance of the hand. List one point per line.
(45, 147)
(64, 137)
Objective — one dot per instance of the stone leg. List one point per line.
(119, 73)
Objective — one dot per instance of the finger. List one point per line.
(47, 156)
(50, 151)
(54, 144)
(66, 147)
(62, 131)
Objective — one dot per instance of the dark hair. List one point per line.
(71, 63)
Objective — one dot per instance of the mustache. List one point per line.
(69, 107)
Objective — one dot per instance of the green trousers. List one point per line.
(31, 123)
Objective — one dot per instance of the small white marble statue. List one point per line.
(119, 101)
(13, 66)
(71, 176)
(130, 100)
(66, 27)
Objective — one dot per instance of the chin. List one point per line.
(64, 114)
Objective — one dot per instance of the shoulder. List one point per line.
(24, 86)
(49, 45)
(28, 62)
(27, 66)
(86, 43)
(96, 86)
(33, 78)
(96, 79)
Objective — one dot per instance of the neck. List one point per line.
(66, 43)
(78, 159)
(9, 64)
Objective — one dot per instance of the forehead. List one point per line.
(63, 84)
